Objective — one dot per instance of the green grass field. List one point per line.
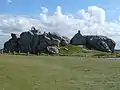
(58, 73)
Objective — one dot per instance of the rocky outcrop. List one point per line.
(64, 41)
(25, 41)
(54, 35)
(11, 44)
(52, 50)
(101, 43)
(34, 41)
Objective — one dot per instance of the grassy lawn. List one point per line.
(58, 73)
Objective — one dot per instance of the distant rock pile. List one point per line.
(101, 43)
(34, 42)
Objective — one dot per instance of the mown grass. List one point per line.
(58, 73)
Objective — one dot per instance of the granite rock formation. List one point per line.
(33, 41)
(101, 43)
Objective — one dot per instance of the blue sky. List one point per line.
(16, 16)
(32, 7)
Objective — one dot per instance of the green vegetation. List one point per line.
(58, 73)
(76, 68)
(81, 51)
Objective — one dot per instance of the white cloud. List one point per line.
(9, 1)
(44, 10)
(91, 22)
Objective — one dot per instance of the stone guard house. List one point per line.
(78, 39)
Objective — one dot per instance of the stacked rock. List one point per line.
(34, 42)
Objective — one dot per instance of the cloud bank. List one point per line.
(91, 22)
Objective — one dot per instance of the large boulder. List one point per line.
(64, 41)
(52, 50)
(35, 42)
(101, 43)
(29, 40)
(78, 39)
(111, 44)
(8, 46)
(34, 30)
(14, 36)
(54, 35)
(45, 41)
(53, 42)
(42, 44)
(11, 44)
(25, 41)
